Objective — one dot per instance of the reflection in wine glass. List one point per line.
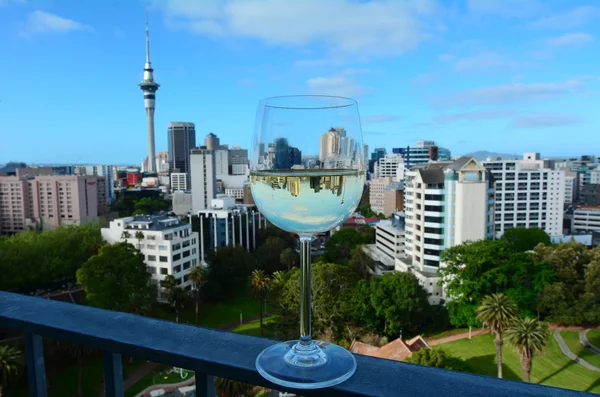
(307, 176)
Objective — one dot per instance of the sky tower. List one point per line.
(149, 86)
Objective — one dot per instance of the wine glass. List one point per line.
(307, 175)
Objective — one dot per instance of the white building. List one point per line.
(528, 194)
(586, 219)
(221, 162)
(235, 192)
(178, 181)
(445, 204)
(204, 179)
(390, 165)
(182, 203)
(570, 187)
(168, 245)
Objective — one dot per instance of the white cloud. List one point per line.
(508, 94)
(378, 118)
(487, 60)
(545, 120)
(308, 63)
(578, 16)
(446, 57)
(366, 28)
(337, 85)
(508, 8)
(571, 40)
(474, 115)
(40, 22)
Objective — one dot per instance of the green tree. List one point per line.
(528, 336)
(289, 257)
(438, 358)
(361, 263)
(269, 254)
(339, 246)
(167, 285)
(9, 361)
(125, 235)
(139, 236)
(332, 287)
(197, 276)
(178, 299)
(80, 353)
(228, 271)
(366, 211)
(272, 231)
(400, 303)
(111, 277)
(260, 284)
(497, 312)
(525, 239)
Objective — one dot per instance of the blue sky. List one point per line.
(508, 76)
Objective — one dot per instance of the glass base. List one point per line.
(313, 366)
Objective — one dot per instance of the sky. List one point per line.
(500, 75)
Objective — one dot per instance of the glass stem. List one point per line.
(305, 291)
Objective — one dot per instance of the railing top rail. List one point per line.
(230, 355)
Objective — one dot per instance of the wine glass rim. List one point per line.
(287, 102)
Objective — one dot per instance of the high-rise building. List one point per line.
(528, 194)
(204, 181)
(48, 201)
(590, 196)
(179, 181)
(422, 152)
(377, 154)
(282, 156)
(221, 162)
(107, 172)
(182, 139)
(149, 86)
(390, 166)
(445, 204)
(212, 142)
(376, 189)
(570, 187)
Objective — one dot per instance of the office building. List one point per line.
(422, 152)
(590, 195)
(169, 246)
(182, 139)
(390, 165)
(376, 196)
(570, 187)
(445, 204)
(377, 154)
(149, 86)
(179, 181)
(235, 192)
(106, 171)
(238, 156)
(212, 142)
(586, 219)
(393, 198)
(204, 181)
(48, 201)
(221, 162)
(528, 194)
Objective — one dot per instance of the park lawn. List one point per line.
(571, 338)
(212, 315)
(449, 332)
(594, 337)
(147, 380)
(552, 368)
(253, 327)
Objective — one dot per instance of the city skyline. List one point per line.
(498, 76)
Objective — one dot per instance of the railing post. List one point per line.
(205, 385)
(113, 375)
(36, 373)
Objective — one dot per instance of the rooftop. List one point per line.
(151, 222)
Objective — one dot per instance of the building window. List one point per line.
(186, 254)
(177, 269)
(164, 271)
(163, 259)
(176, 257)
(152, 269)
(186, 265)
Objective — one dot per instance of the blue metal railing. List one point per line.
(211, 352)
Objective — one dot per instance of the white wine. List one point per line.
(307, 201)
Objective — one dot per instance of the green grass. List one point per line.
(594, 337)
(552, 368)
(253, 327)
(450, 332)
(571, 338)
(147, 380)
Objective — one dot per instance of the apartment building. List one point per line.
(390, 166)
(45, 202)
(169, 246)
(377, 187)
(178, 181)
(570, 187)
(204, 181)
(528, 194)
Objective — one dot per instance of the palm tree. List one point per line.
(168, 284)
(289, 257)
(197, 276)
(178, 298)
(497, 312)
(528, 336)
(125, 235)
(80, 353)
(277, 279)
(139, 236)
(9, 358)
(260, 283)
(231, 388)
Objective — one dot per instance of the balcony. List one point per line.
(211, 353)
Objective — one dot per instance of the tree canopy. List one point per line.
(525, 239)
(113, 276)
(438, 358)
(268, 255)
(339, 246)
(228, 271)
